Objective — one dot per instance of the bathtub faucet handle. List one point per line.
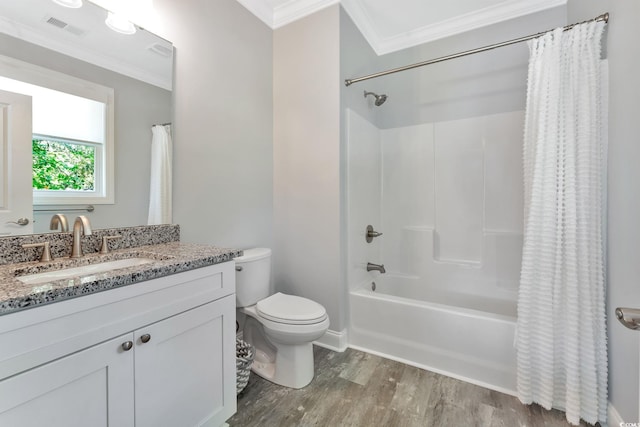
(371, 233)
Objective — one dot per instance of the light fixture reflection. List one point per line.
(119, 24)
(74, 4)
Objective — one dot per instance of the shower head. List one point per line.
(379, 98)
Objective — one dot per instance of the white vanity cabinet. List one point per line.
(156, 353)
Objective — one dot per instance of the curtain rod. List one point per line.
(348, 82)
(162, 124)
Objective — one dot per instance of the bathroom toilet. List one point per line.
(281, 327)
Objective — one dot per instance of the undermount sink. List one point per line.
(67, 273)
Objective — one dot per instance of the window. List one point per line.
(72, 142)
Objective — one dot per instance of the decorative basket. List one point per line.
(244, 358)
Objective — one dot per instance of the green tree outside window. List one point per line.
(61, 165)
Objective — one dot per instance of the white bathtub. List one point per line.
(463, 336)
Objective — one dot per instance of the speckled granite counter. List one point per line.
(168, 258)
(11, 250)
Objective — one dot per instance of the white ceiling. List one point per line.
(391, 25)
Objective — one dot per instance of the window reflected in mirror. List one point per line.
(71, 137)
(60, 165)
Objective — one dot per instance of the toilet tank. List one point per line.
(252, 281)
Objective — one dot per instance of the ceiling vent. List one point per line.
(59, 23)
(56, 22)
(161, 50)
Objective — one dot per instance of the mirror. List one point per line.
(77, 42)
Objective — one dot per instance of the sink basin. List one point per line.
(84, 270)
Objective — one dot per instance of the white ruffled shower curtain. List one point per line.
(160, 186)
(561, 334)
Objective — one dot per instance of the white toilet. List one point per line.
(281, 327)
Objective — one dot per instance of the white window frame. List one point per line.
(104, 179)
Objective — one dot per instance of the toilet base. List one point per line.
(289, 365)
(263, 365)
(297, 363)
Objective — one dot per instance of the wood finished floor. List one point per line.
(359, 389)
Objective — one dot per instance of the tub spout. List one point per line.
(376, 267)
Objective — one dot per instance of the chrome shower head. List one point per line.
(379, 98)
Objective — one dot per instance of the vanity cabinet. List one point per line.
(156, 353)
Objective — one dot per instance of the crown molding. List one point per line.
(297, 9)
(293, 10)
(286, 13)
(261, 9)
(363, 22)
(477, 19)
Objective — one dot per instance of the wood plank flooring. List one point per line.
(359, 389)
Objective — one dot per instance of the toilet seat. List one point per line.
(291, 310)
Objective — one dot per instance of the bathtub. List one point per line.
(468, 337)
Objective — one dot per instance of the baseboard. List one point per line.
(614, 417)
(336, 341)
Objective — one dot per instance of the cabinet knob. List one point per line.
(145, 338)
(127, 345)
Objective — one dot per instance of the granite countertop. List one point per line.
(167, 258)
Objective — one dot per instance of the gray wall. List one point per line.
(307, 221)
(624, 203)
(138, 106)
(223, 116)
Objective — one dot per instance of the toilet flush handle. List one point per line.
(238, 268)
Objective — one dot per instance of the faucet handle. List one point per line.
(46, 250)
(371, 233)
(104, 249)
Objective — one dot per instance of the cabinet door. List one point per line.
(185, 368)
(93, 387)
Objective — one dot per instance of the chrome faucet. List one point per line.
(81, 227)
(376, 267)
(59, 219)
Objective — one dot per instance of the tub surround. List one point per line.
(158, 243)
(445, 195)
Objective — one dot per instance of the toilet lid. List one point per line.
(290, 309)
